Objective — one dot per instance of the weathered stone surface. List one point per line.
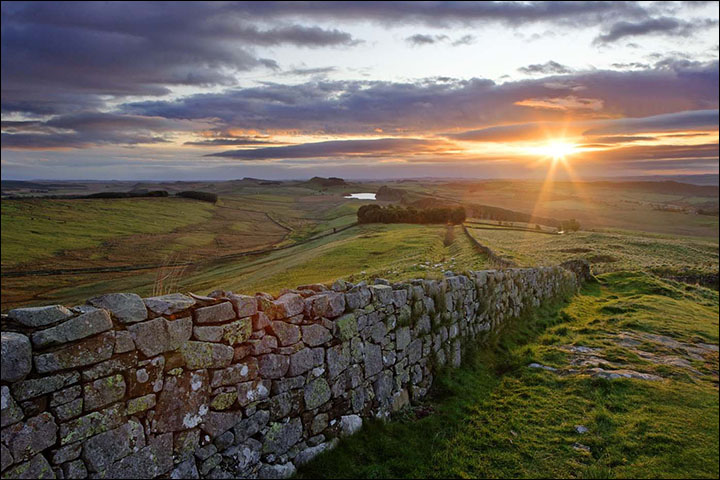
(183, 402)
(237, 373)
(338, 359)
(126, 307)
(237, 332)
(103, 391)
(35, 387)
(273, 366)
(317, 392)
(92, 424)
(382, 293)
(152, 461)
(285, 470)
(373, 359)
(264, 345)
(15, 356)
(39, 316)
(350, 424)
(140, 404)
(222, 312)
(206, 355)
(119, 363)
(67, 453)
(252, 425)
(281, 436)
(255, 391)
(101, 451)
(160, 335)
(68, 410)
(304, 360)
(285, 306)
(347, 326)
(208, 333)
(5, 458)
(74, 469)
(314, 335)
(26, 439)
(286, 333)
(185, 444)
(169, 304)
(224, 400)
(66, 395)
(37, 467)
(260, 321)
(216, 423)
(311, 452)
(87, 352)
(10, 412)
(402, 338)
(123, 341)
(147, 378)
(185, 470)
(245, 305)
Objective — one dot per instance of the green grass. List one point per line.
(40, 228)
(496, 418)
(606, 251)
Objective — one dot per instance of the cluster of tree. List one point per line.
(327, 182)
(130, 194)
(204, 196)
(571, 225)
(395, 214)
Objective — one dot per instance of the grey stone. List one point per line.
(186, 443)
(101, 451)
(252, 425)
(236, 373)
(5, 458)
(75, 469)
(68, 410)
(246, 456)
(152, 461)
(217, 423)
(10, 412)
(117, 364)
(245, 305)
(222, 312)
(103, 391)
(147, 378)
(285, 306)
(347, 326)
(402, 338)
(169, 304)
(286, 333)
(126, 307)
(206, 355)
(186, 469)
(317, 392)
(36, 387)
(67, 453)
(208, 333)
(87, 352)
(92, 424)
(140, 404)
(31, 437)
(338, 359)
(36, 468)
(123, 341)
(273, 366)
(285, 470)
(251, 392)
(264, 345)
(281, 405)
(209, 464)
(373, 359)
(302, 361)
(65, 396)
(160, 335)
(281, 436)
(183, 402)
(349, 424)
(15, 356)
(310, 453)
(382, 293)
(224, 440)
(314, 335)
(39, 316)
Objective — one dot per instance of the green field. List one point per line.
(497, 418)
(605, 250)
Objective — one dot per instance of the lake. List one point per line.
(361, 196)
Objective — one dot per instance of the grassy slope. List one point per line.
(37, 229)
(390, 251)
(496, 418)
(607, 251)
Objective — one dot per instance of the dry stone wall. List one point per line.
(227, 385)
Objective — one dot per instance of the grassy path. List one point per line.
(497, 418)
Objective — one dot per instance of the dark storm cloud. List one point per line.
(88, 129)
(60, 57)
(548, 68)
(347, 107)
(656, 26)
(343, 148)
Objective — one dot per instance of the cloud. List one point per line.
(343, 148)
(653, 26)
(548, 68)
(570, 102)
(464, 40)
(422, 39)
(310, 71)
(64, 58)
(691, 120)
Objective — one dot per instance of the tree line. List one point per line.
(395, 214)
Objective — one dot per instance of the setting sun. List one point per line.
(558, 150)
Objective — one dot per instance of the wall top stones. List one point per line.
(229, 385)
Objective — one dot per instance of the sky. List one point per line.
(367, 90)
